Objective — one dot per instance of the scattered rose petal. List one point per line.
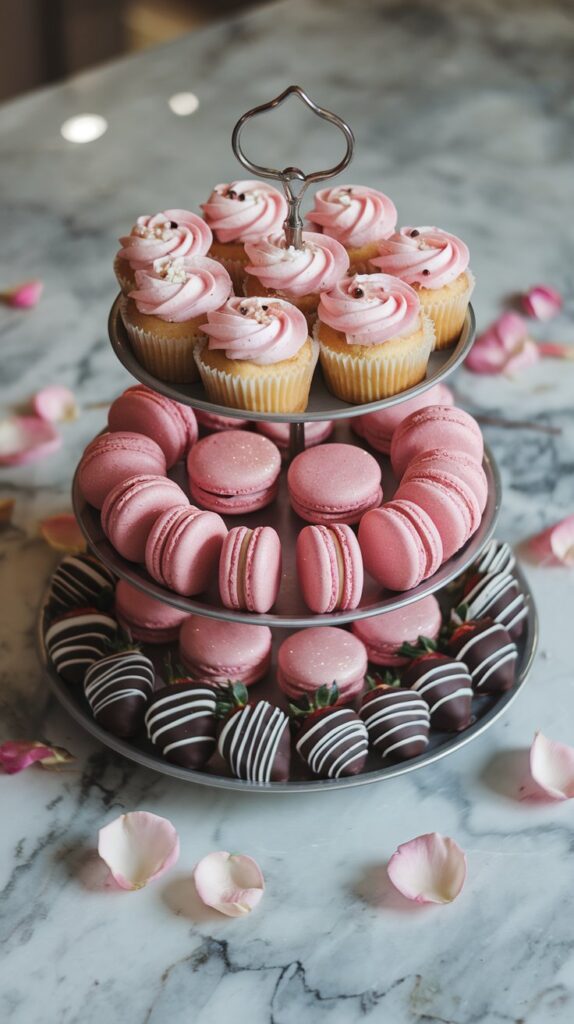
(15, 755)
(428, 869)
(26, 438)
(542, 302)
(25, 295)
(503, 348)
(7, 506)
(229, 882)
(555, 350)
(63, 533)
(55, 403)
(555, 545)
(552, 768)
(138, 847)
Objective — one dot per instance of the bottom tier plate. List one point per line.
(486, 711)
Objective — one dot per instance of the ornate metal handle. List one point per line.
(293, 225)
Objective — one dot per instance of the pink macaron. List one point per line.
(213, 651)
(146, 619)
(334, 483)
(401, 545)
(173, 426)
(132, 507)
(384, 634)
(183, 548)
(111, 458)
(213, 421)
(378, 427)
(315, 432)
(250, 569)
(436, 426)
(234, 472)
(457, 463)
(320, 656)
(449, 501)
(329, 567)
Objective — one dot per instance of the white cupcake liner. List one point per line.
(448, 314)
(286, 390)
(170, 359)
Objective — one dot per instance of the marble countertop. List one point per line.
(463, 114)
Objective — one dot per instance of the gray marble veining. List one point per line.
(463, 114)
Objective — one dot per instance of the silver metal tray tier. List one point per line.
(322, 404)
(486, 711)
(289, 610)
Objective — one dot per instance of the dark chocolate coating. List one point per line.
(181, 723)
(446, 686)
(497, 596)
(255, 743)
(77, 582)
(490, 654)
(118, 689)
(334, 743)
(78, 639)
(497, 556)
(397, 721)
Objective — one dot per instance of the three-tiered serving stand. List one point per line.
(289, 611)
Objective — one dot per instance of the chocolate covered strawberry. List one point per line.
(397, 720)
(118, 689)
(442, 681)
(254, 742)
(181, 719)
(496, 596)
(332, 740)
(488, 650)
(77, 639)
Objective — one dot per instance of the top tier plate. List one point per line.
(322, 404)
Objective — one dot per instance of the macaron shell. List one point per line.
(378, 427)
(233, 504)
(113, 457)
(329, 568)
(172, 425)
(322, 655)
(334, 483)
(427, 532)
(436, 426)
(147, 619)
(233, 463)
(384, 634)
(131, 508)
(451, 505)
(185, 549)
(262, 569)
(315, 432)
(213, 421)
(218, 651)
(392, 548)
(454, 462)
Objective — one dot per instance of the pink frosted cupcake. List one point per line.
(163, 314)
(259, 356)
(243, 211)
(356, 216)
(171, 233)
(374, 339)
(298, 275)
(436, 265)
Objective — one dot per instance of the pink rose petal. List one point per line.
(55, 403)
(555, 545)
(503, 348)
(428, 869)
(25, 295)
(138, 847)
(542, 302)
(15, 755)
(63, 533)
(552, 767)
(26, 438)
(230, 882)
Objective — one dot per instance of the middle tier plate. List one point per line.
(289, 610)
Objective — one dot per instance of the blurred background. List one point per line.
(43, 41)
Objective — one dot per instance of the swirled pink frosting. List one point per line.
(318, 265)
(262, 331)
(244, 211)
(429, 257)
(171, 233)
(182, 288)
(370, 308)
(355, 215)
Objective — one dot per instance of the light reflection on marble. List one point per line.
(464, 117)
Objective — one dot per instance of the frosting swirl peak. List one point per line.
(245, 211)
(180, 289)
(262, 331)
(425, 256)
(171, 233)
(355, 215)
(318, 265)
(370, 308)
